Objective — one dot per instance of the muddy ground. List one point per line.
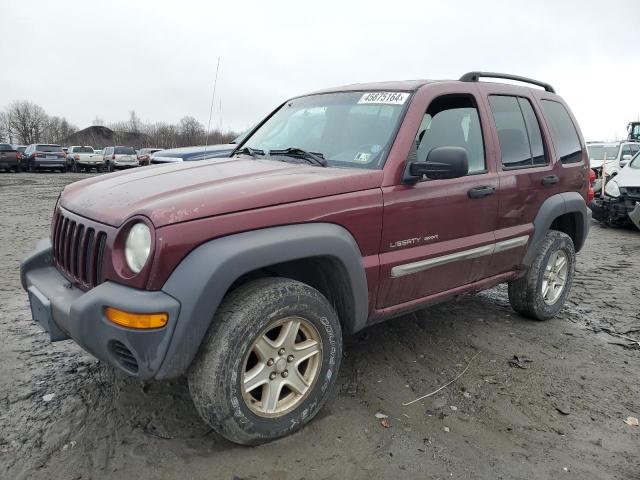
(560, 416)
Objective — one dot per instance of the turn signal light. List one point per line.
(136, 320)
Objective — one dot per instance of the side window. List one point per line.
(634, 148)
(452, 121)
(533, 129)
(563, 132)
(518, 132)
(626, 150)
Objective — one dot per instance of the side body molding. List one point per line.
(204, 276)
(552, 208)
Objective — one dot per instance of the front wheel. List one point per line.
(542, 292)
(269, 361)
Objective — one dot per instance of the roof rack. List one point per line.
(475, 76)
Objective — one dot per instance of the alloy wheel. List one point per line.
(281, 367)
(555, 277)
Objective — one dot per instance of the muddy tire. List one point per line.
(269, 361)
(542, 292)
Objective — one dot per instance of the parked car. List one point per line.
(191, 154)
(144, 155)
(621, 202)
(341, 209)
(20, 149)
(98, 151)
(116, 158)
(84, 158)
(9, 158)
(39, 156)
(617, 155)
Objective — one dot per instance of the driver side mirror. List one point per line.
(441, 163)
(626, 158)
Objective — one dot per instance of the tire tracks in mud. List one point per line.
(102, 423)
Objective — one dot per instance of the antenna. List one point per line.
(213, 96)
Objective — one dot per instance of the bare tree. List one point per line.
(134, 123)
(57, 129)
(6, 134)
(98, 121)
(26, 121)
(191, 131)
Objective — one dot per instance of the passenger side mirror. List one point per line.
(441, 163)
(626, 158)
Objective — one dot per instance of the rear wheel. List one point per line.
(542, 292)
(268, 362)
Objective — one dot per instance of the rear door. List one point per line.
(527, 176)
(438, 234)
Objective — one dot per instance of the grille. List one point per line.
(78, 250)
(633, 192)
(124, 356)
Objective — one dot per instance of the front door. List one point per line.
(439, 234)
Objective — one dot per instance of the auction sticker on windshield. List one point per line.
(384, 98)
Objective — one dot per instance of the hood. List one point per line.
(628, 177)
(181, 192)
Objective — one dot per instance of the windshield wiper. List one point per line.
(311, 157)
(254, 152)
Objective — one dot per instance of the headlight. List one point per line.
(137, 246)
(612, 189)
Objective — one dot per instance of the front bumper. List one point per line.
(65, 311)
(616, 211)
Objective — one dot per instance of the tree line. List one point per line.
(24, 122)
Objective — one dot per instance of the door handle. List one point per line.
(550, 180)
(482, 191)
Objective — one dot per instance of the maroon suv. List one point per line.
(340, 209)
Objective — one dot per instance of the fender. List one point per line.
(552, 208)
(203, 277)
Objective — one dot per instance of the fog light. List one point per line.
(136, 320)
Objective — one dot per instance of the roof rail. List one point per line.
(475, 76)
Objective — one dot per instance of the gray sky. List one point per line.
(82, 59)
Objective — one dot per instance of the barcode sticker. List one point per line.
(384, 98)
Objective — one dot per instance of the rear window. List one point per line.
(5, 146)
(48, 148)
(125, 151)
(563, 132)
(598, 152)
(82, 150)
(21, 149)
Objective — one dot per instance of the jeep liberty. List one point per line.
(340, 209)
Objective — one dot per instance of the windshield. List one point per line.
(635, 162)
(352, 129)
(48, 148)
(597, 152)
(124, 151)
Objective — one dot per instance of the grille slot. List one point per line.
(124, 356)
(78, 250)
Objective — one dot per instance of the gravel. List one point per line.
(562, 415)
